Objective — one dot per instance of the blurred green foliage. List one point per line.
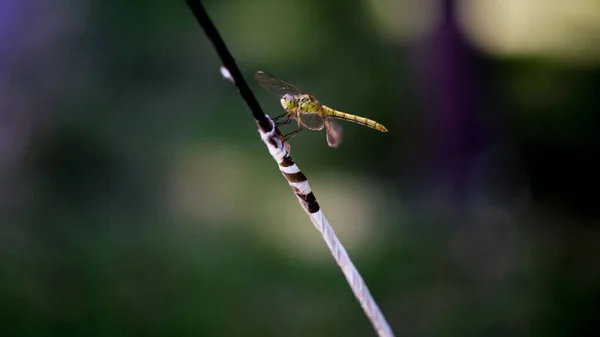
(138, 199)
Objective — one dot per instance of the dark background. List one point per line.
(136, 197)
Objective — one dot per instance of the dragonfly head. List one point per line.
(289, 102)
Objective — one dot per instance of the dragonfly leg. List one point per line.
(288, 121)
(292, 134)
(274, 119)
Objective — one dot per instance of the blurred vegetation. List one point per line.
(137, 198)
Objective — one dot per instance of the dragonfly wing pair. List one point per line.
(275, 85)
(314, 121)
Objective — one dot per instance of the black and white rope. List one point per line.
(272, 138)
(299, 184)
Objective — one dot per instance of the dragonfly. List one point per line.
(308, 112)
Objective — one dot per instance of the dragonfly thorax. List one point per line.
(302, 103)
(308, 104)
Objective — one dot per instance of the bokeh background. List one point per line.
(137, 198)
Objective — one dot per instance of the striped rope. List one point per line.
(297, 180)
(299, 184)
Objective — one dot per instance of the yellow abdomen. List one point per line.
(353, 118)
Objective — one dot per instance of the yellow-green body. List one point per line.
(307, 104)
(327, 111)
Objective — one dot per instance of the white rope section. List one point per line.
(299, 184)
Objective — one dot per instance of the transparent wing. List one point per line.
(311, 120)
(275, 85)
(334, 132)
